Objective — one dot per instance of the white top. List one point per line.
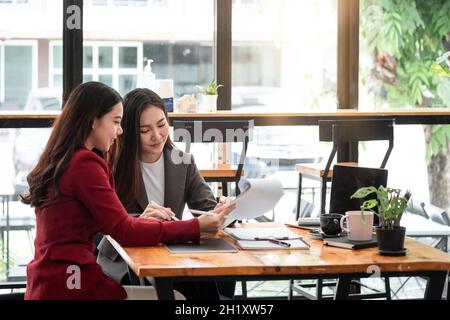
(153, 176)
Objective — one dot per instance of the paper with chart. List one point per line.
(257, 197)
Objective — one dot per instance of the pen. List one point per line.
(171, 217)
(276, 240)
(201, 212)
(231, 203)
(280, 243)
(273, 238)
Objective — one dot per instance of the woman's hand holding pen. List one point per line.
(213, 223)
(225, 203)
(157, 212)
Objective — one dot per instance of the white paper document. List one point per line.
(252, 233)
(254, 238)
(257, 197)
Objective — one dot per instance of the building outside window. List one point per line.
(113, 63)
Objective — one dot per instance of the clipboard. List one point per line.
(267, 245)
(253, 238)
(212, 245)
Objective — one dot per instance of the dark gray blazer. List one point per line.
(183, 185)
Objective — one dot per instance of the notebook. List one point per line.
(212, 245)
(246, 238)
(343, 242)
(305, 223)
(309, 222)
(267, 245)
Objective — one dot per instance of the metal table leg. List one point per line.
(164, 288)
(435, 286)
(342, 288)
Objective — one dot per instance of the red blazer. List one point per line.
(87, 205)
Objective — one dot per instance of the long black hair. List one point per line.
(88, 101)
(127, 170)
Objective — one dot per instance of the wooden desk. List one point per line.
(316, 170)
(219, 171)
(318, 262)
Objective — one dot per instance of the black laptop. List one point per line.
(346, 180)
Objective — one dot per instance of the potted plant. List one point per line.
(391, 205)
(209, 96)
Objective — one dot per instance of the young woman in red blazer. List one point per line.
(72, 189)
(149, 174)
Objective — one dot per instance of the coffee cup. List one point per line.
(359, 226)
(330, 224)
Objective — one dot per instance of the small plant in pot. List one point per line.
(391, 205)
(209, 96)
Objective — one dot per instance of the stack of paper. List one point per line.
(257, 197)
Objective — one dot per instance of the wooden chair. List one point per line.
(342, 133)
(213, 131)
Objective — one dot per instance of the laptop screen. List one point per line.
(346, 180)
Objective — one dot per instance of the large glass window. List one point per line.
(19, 73)
(178, 35)
(26, 81)
(20, 149)
(166, 31)
(114, 63)
(284, 55)
(399, 43)
(2, 74)
(25, 62)
(284, 59)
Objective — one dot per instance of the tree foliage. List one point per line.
(407, 36)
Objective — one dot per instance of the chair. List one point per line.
(12, 296)
(343, 133)
(436, 214)
(16, 280)
(10, 223)
(213, 131)
(345, 181)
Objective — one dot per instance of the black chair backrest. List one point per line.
(356, 130)
(212, 131)
(353, 131)
(346, 180)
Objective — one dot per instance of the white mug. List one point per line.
(358, 228)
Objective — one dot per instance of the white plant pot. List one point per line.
(209, 102)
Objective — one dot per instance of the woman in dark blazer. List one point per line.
(152, 173)
(72, 188)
